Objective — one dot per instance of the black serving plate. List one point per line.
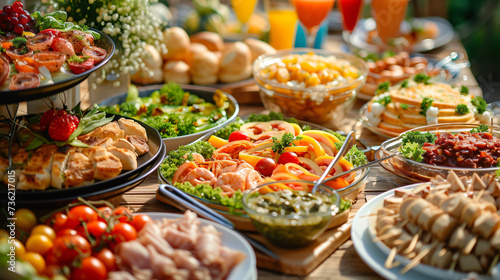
(16, 96)
(146, 164)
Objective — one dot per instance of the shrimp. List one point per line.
(221, 156)
(234, 148)
(196, 157)
(199, 176)
(223, 166)
(253, 180)
(233, 180)
(244, 165)
(182, 171)
(77, 39)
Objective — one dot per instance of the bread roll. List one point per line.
(236, 63)
(205, 68)
(176, 71)
(258, 47)
(152, 57)
(144, 78)
(194, 48)
(211, 40)
(177, 42)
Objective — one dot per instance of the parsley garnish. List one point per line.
(404, 84)
(78, 59)
(285, 141)
(404, 106)
(464, 90)
(19, 42)
(481, 128)
(383, 87)
(418, 137)
(412, 151)
(422, 78)
(462, 109)
(384, 100)
(426, 103)
(480, 104)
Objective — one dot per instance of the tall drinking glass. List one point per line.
(311, 13)
(282, 20)
(351, 12)
(388, 15)
(243, 10)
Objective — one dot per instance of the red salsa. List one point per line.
(465, 149)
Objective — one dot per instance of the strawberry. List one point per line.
(46, 119)
(62, 126)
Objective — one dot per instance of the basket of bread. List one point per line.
(418, 101)
(202, 59)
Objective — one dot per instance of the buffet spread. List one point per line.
(64, 170)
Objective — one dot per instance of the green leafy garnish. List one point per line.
(426, 103)
(57, 20)
(19, 42)
(418, 137)
(384, 100)
(464, 90)
(404, 106)
(78, 59)
(212, 194)
(412, 151)
(404, 84)
(462, 109)
(422, 78)
(177, 157)
(383, 87)
(286, 140)
(481, 128)
(272, 116)
(480, 104)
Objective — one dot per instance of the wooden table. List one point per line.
(344, 262)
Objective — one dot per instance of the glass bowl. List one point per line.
(421, 172)
(316, 104)
(297, 228)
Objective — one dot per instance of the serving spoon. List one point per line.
(348, 143)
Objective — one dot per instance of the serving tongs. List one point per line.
(183, 200)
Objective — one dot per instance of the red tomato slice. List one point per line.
(78, 68)
(17, 54)
(4, 69)
(63, 46)
(24, 81)
(23, 66)
(51, 31)
(52, 60)
(96, 53)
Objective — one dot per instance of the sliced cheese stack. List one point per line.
(449, 224)
(114, 147)
(403, 108)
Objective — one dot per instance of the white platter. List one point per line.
(246, 270)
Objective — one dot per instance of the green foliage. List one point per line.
(212, 194)
(404, 106)
(19, 42)
(384, 100)
(177, 157)
(412, 151)
(173, 94)
(286, 140)
(426, 103)
(228, 129)
(383, 87)
(404, 84)
(480, 104)
(422, 78)
(464, 90)
(418, 137)
(462, 109)
(481, 128)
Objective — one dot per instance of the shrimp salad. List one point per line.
(258, 152)
(36, 49)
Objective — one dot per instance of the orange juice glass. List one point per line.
(243, 9)
(388, 15)
(312, 12)
(282, 21)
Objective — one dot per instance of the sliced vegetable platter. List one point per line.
(299, 151)
(181, 114)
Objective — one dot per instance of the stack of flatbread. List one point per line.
(403, 110)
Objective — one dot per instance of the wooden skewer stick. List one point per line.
(389, 262)
(412, 244)
(493, 263)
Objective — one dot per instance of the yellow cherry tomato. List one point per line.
(36, 260)
(39, 243)
(3, 234)
(26, 219)
(44, 230)
(20, 249)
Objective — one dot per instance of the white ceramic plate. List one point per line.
(246, 270)
(375, 254)
(359, 35)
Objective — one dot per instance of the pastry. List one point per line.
(236, 63)
(176, 71)
(205, 68)
(258, 47)
(177, 42)
(211, 40)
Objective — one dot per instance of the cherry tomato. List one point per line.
(50, 257)
(79, 68)
(288, 157)
(124, 232)
(53, 270)
(44, 230)
(266, 166)
(107, 258)
(3, 234)
(238, 135)
(68, 247)
(79, 214)
(19, 247)
(36, 260)
(90, 268)
(139, 221)
(53, 32)
(125, 215)
(66, 231)
(39, 243)
(96, 53)
(95, 228)
(105, 213)
(26, 219)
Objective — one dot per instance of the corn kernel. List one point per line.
(282, 76)
(309, 66)
(313, 80)
(302, 75)
(350, 72)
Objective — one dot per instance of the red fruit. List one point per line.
(79, 68)
(62, 127)
(63, 46)
(53, 32)
(238, 135)
(46, 119)
(266, 166)
(287, 157)
(17, 6)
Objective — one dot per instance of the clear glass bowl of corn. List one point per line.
(309, 84)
